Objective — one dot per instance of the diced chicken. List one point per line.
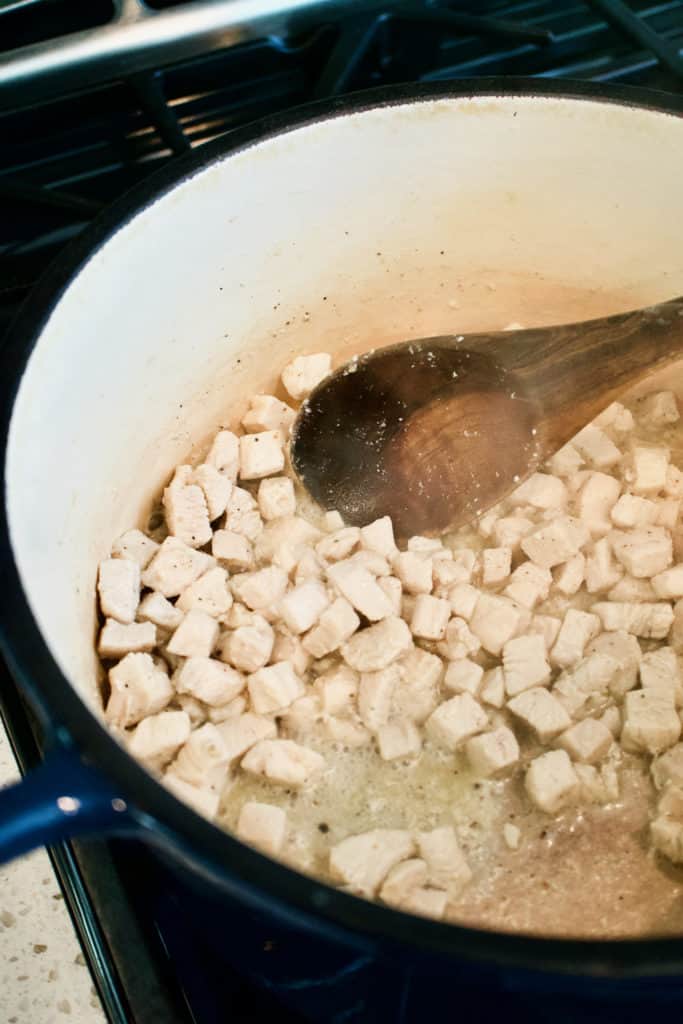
(529, 584)
(233, 709)
(570, 575)
(276, 497)
(632, 511)
(157, 609)
(196, 635)
(379, 536)
(595, 502)
(660, 673)
(566, 461)
(209, 680)
(667, 769)
(208, 594)
(241, 732)
(649, 469)
(304, 373)
(339, 544)
(377, 646)
(601, 571)
(286, 533)
(673, 486)
(459, 641)
(644, 552)
(576, 630)
(493, 688)
(495, 620)
(458, 570)
(139, 687)
(119, 588)
(667, 837)
(455, 721)
(216, 488)
(398, 740)
(430, 617)
(651, 722)
(426, 902)
(587, 741)
(203, 801)
(555, 542)
(660, 408)
(525, 664)
(612, 719)
(136, 546)
(274, 687)
(624, 649)
(195, 710)
(261, 455)
(361, 589)
(446, 864)
(117, 639)
(615, 417)
(308, 566)
(249, 647)
(268, 413)
(232, 548)
(242, 514)
(394, 591)
(415, 572)
(509, 531)
(290, 648)
(496, 565)
(541, 490)
(224, 454)
(493, 753)
(463, 676)
(597, 786)
(363, 862)
(203, 760)
(463, 600)
(157, 738)
(403, 880)
(346, 731)
(338, 690)
(187, 515)
(630, 589)
(302, 607)
(335, 626)
(649, 620)
(668, 511)
(551, 781)
(541, 711)
(416, 692)
(669, 584)
(589, 683)
(262, 589)
(263, 826)
(283, 761)
(375, 564)
(596, 447)
(174, 567)
(375, 695)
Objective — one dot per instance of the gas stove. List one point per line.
(95, 97)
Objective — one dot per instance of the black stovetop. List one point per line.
(63, 160)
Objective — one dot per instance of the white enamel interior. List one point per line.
(417, 219)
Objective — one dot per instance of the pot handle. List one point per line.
(62, 798)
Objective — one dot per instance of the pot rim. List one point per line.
(38, 674)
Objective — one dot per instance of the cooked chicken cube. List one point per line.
(304, 373)
(363, 862)
(493, 688)
(339, 544)
(570, 574)
(546, 626)
(446, 864)
(651, 722)
(249, 647)
(496, 564)
(596, 447)
(398, 740)
(203, 760)
(224, 454)
(283, 761)
(375, 695)
(650, 620)
(196, 635)
(361, 589)
(541, 711)
(415, 571)
(616, 417)
(667, 837)
(379, 536)
(667, 769)
(262, 589)
(403, 880)
(233, 709)
(660, 673)
(336, 624)
(602, 572)
(139, 687)
(551, 781)
(542, 491)
(232, 548)
(463, 599)
(529, 584)
(668, 511)
(276, 497)
(631, 510)
(660, 409)
(274, 687)
(241, 732)
(555, 542)
(597, 786)
(416, 693)
(157, 738)
(576, 630)
(669, 584)
(426, 902)
(566, 461)
(377, 646)
(463, 676)
(509, 531)
(459, 569)
(458, 642)
(117, 639)
(263, 826)
(261, 455)
(209, 680)
(208, 594)
(624, 649)
(455, 721)
(157, 609)
(187, 515)
(136, 546)
(302, 607)
(649, 469)
(673, 486)
(595, 501)
(338, 690)
(644, 552)
(587, 741)
(430, 617)
(495, 620)
(493, 752)
(629, 589)
(119, 588)
(525, 664)
(268, 413)
(203, 801)
(174, 567)
(216, 488)
(394, 591)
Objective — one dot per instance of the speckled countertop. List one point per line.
(44, 978)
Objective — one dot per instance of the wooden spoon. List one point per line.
(435, 431)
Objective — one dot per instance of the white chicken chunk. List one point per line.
(446, 864)
(242, 515)
(649, 469)
(263, 826)
(117, 639)
(375, 695)
(493, 752)
(542, 491)
(669, 584)
(268, 413)
(529, 584)
(596, 447)
(203, 760)
(555, 542)
(260, 590)
(495, 620)
(203, 801)
(649, 620)
(208, 594)
(415, 571)
(174, 567)
(569, 576)
(302, 607)
(623, 649)
(463, 676)
(660, 409)
(402, 880)
(566, 461)
(667, 769)
(629, 589)
(459, 641)
(334, 627)
(224, 454)
(139, 687)
(633, 511)
(249, 647)
(416, 693)
(493, 688)
(551, 781)
(243, 731)
(157, 609)
(644, 552)
(339, 544)
(378, 536)
(601, 571)
(587, 741)
(274, 687)
(455, 721)
(463, 600)
(216, 488)
(394, 591)
(208, 680)
(430, 617)
(261, 455)
(283, 761)
(360, 588)
(276, 497)
(398, 740)
(363, 862)
(651, 722)
(595, 502)
(660, 673)
(525, 664)
(576, 630)
(496, 565)
(377, 646)
(157, 738)
(196, 635)
(136, 546)
(232, 548)
(304, 373)
(338, 690)
(540, 711)
(508, 531)
(187, 515)
(119, 588)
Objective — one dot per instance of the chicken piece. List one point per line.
(632, 511)
(242, 515)
(197, 712)
(555, 542)
(495, 620)
(249, 647)
(335, 626)
(363, 862)
(377, 646)
(338, 545)
(595, 501)
(338, 690)
(261, 590)
(263, 826)
(644, 552)
(394, 591)
(597, 786)
(629, 589)
(274, 687)
(588, 684)
(378, 536)
(290, 648)
(496, 565)
(304, 374)
(649, 469)
(587, 741)
(203, 801)
(242, 732)
(209, 594)
(463, 600)
(596, 447)
(541, 490)
(426, 902)
(139, 687)
(509, 531)
(459, 569)
(541, 711)
(224, 454)
(551, 781)
(276, 497)
(601, 572)
(673, 486)
(492, 690)
(361, 589)
(375, 564)
(157, 738)
(458, 642)
(233, 709)
(209, 680)
(117, 639)
(416, 692)
(569, 575)
(135, 546)
(624, 649)
(455, 721)
(268, 413)
(302, 607)
(157, 609)
(261, 455)
(446, 864)
(119, 588)
(283, 761)
(187, 515)
(651, 621)
(174, 567)
(375, 696)
(566, 461)
(667, 769)
(615, 417)
(669, 583)
(285, 536)
(668, 511)
(203, 760)
(651, 722)
(660, 673)
(463, 676)
(546, 626)
(217, 489)
(525, 664)
(196, 635)
(430, 617)
(660, 408)
(576, 630)
(403, 880)
(493, 752)
(232, 548)
(399, 740)
(529, 584)
(415, 571)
